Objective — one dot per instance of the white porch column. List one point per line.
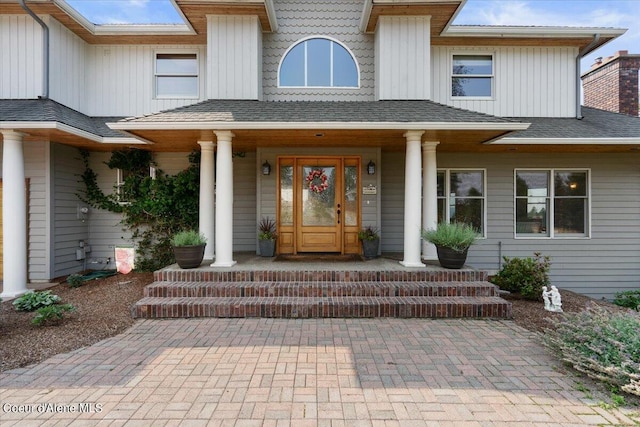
(207, 201)
(412, 200)
(429, 196)
(224, 201)
(14, 216)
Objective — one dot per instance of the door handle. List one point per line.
(338, 211)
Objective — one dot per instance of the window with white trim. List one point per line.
(552, 202)
(318, 62)
(176, 75)
(472, 76)
(462, 197)
(121, 176)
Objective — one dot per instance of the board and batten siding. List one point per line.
(403, 64)
(528, 81)
(234, 57)
(21, 57)
(599, 266)
(68, 229)
(68, 58)
(338, 19)
(120, 79)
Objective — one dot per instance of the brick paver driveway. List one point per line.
(330, 372)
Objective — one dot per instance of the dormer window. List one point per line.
(472, 76)
(318, 62)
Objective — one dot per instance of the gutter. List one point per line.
(581, 54)
(45, 50)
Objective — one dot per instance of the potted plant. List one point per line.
(188, 248)
(370, 239)
(452, 241)
(267, 237)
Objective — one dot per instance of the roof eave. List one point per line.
(213, 125)
(566, 141)
(524, 31)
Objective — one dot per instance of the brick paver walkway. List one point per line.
(328, 372)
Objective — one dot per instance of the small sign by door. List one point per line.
(370, 189)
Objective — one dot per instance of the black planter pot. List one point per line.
(450, 258)
(267, 248)
(370, 248)
(189, 256)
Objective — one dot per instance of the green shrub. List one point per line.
(629, 299)
(52, 313)
(456, 235)
(35, 300)
(602, 344)
(75, 280)
(188, 238)
(525, 276)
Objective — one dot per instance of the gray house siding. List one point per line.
(68, 228)
(244, 203)
(339, 19)
(36, 167)
(606, 262)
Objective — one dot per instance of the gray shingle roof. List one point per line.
(594, 124)
(318, 111)
(48, 110)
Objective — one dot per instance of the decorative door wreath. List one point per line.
(317, 181)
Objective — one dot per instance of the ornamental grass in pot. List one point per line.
(452, 241)
(267, 237)
(370, 238)
(188, 248)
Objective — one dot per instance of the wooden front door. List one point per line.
(318, 204)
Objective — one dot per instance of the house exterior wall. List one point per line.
(598, 266)
(20, 46)
(37, 167)
(120, 79)
(339, 19)
(234, 57)
(68, 59)
(528, 81)
(402, 52)
(67, 228)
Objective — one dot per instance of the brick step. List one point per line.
(211, 275)
(324, 307)
(318, 289)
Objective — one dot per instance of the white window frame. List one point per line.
(492, 75)
(305, 39)
(195, 52)
(447, 194)
(119, 183)
(551, 213)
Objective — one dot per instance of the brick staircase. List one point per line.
(312, 294)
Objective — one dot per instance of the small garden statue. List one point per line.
(546, 296)
(556, 300)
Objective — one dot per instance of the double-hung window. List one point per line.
(176, 75)
(462, 197)
(552, 203)
(472, 76)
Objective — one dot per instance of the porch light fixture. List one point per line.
(266, 168)
(371, 168)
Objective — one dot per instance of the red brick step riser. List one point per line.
(327, 289)
(403, 307)
(197, 275)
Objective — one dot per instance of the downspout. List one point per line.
(581, 53)
(45, 50)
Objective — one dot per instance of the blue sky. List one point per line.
(589, 13)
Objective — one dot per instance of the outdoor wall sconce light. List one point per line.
(266, 168)
(371, 168)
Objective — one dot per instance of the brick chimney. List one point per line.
(612, 83)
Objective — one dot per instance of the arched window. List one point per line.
(318, 62)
